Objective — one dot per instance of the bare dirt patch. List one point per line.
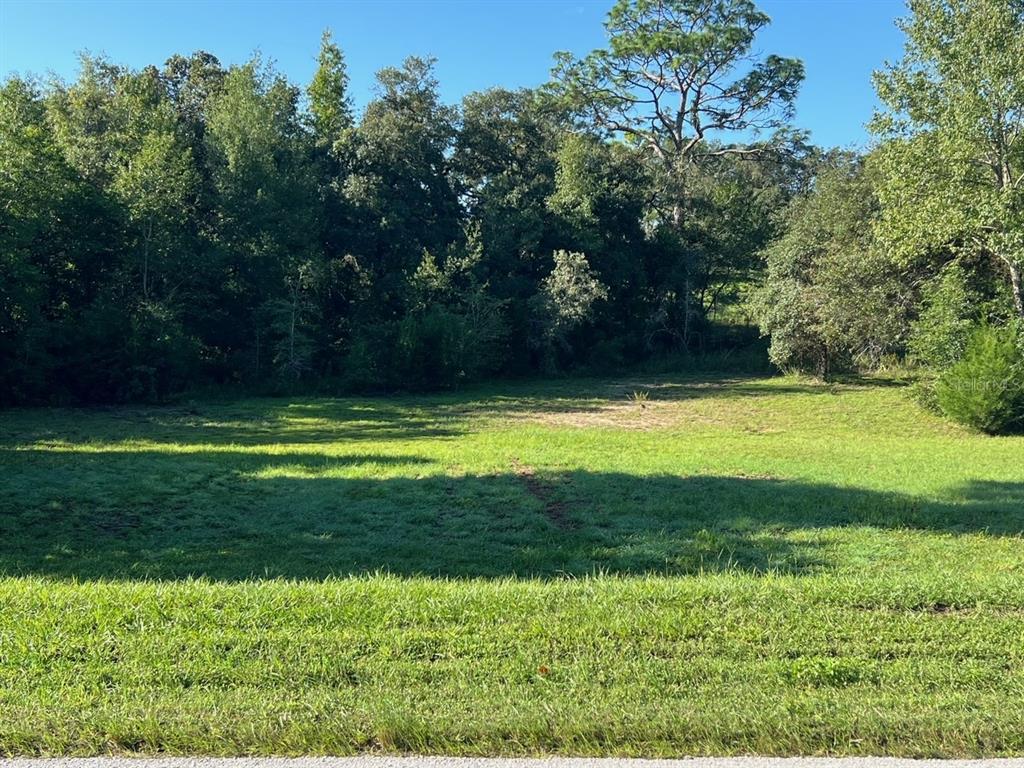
(556, 510)
(625, 415)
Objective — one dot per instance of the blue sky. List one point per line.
(478, 43)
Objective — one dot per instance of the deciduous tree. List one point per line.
(953, 151)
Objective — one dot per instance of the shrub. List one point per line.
(430, 350)
(984, 390)
(443, 347)
(438, 347)
(939, 336)
(565, 302)
(831, 299)
(922, 392)
(368, 358)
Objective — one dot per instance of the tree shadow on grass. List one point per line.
(234, 516)
(267, 488)
(331, 420)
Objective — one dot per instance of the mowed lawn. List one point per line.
(733, 566)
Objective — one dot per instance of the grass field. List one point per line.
(734, 566)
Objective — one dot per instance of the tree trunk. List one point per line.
(686, 311)
(145, 260)
(677, 223)
(1013, 264)
(1015, 285)
(291, 338)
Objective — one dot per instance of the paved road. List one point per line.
(469, 762)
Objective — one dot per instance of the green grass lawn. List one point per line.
(738, 566)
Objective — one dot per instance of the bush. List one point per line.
(368, 356)
(831, 299)
(922, 392)
(950, 311)
(430, 353)
(439, 347)
(984, 390)
(564, 304)
(443, 347)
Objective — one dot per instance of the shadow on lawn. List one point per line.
(235, 491)
(330, 420)
(123, 516)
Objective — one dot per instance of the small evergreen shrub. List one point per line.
(984, 390)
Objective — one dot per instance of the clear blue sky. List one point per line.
(478, 43)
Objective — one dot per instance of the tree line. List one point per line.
(913, 251)
(192, 224)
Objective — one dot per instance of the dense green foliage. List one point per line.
(729, 566)
(189, 226)
(908, 250)
(951, 161)
(831, 300)
(652, 566)
(984, 389)
(950, 309)
(193, 225)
